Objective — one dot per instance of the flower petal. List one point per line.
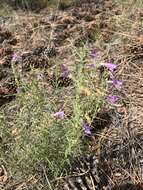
(59, 114)
(15, 57)
(117, 83)
(112, 98)
(110, 66)
(86, 128)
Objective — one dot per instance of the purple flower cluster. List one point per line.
(111, 67)
(96, 56)
(117, 83)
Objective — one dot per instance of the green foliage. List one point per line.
(33, 136)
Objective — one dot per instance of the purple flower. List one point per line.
(15, 57)
(117, 83)
(59, 114)
(95, 54)
(65, 72)
(112, 98)
(86, 128)
(110, 66)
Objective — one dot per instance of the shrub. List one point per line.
(49, 125)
